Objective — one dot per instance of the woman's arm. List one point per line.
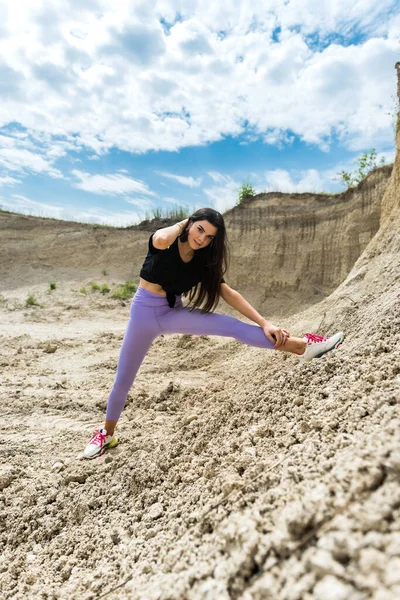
(275, 334)
(236, 300)
(167, 235)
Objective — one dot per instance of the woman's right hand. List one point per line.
(276, 335)
(182, 224)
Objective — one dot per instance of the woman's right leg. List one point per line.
(141, 331)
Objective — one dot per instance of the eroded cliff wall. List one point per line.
(290, 250)
(35, 250)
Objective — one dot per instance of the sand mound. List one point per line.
(241, 473)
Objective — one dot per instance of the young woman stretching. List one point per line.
(190, 257)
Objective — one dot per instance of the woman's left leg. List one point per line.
(182, 320)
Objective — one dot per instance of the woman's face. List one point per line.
(201, 234)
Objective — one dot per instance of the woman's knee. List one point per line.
(123, 383)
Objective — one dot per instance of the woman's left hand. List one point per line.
(276, 335)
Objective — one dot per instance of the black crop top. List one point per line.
(166, 268)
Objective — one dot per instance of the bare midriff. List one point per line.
(152, 287)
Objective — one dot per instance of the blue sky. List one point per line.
(108, 113)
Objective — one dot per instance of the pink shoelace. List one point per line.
(99, 438)
(312, 338)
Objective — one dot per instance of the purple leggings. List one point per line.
(150, 316)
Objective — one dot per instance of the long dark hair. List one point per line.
(215, 259)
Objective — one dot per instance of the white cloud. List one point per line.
(24, 205)
(278, 138)
(189, 181)
(225, 195)
(110, 76)
(218, 177)
(310, 180)
(189, 204)
(327, 16)
(111, 185)
(108, 217)
(387, 156)
(19, 153)
(15, 159)
(142, 77)
(7, 180)
(142, 203)
(393, 27)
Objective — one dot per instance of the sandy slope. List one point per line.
(241, 473)
(282, 447)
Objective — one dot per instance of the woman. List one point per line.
(189, 257)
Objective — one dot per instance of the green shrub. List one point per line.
(157, 213)
(94, 286)
(104, 272)
(83, 290)
(177, 213)
(31, 301)
(365, 164)
(125, 291)
(104, 289)
(52, 285)
(246, 190)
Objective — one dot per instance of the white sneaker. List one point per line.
(318, 345)
(99, 443)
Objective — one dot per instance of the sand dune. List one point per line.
(241, 474)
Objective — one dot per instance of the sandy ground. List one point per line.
(240, 472)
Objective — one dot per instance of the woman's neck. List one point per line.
(185, 250)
